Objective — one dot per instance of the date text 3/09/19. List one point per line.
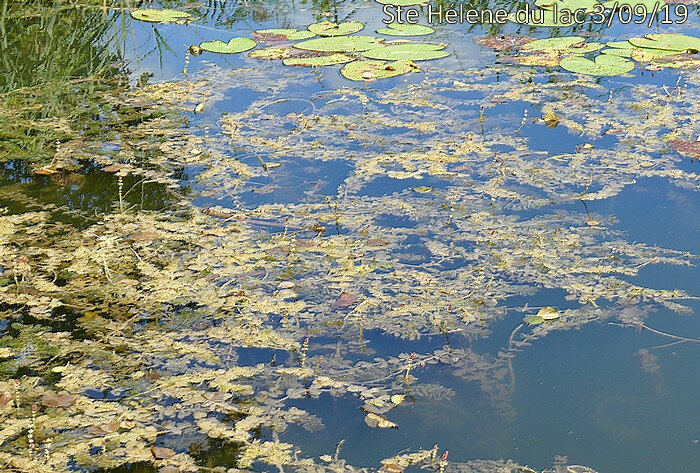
(625, 13)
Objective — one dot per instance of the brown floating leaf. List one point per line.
(63, 399)
(162, 453)
(689, 148)
(375, 420)
(103, 429)
(346, 299)
(503, 41)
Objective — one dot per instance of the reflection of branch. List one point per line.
(658, 332)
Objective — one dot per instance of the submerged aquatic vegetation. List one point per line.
(133, 332)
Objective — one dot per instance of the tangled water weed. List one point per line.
(320, 242)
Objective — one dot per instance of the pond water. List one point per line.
(543, 277)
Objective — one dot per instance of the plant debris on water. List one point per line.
(200, 297)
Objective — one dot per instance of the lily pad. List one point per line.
(235, 45)
(340, 44)
(329, 60)
(572, 44)
(328, 28)
(164, 15)
(627, 49)
(604, 65)
(282, 34)
(411, 51)
(406, 29)
(371, 70)
(668, 41)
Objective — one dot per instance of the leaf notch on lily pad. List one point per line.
(604, 65)
(406, 29)
(235, 45)
(328, 28)
(668, 41)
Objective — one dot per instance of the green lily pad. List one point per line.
(402, 3)
(572, 5)
(544, 18)
(165, 15)
(572, 44)
(289, 34)
(668, 41)
(371, 70)
(604, 65)
(235, 45)
(327, 28)
(406, 29)
(410, 51)
(340, 44)
(329, 60)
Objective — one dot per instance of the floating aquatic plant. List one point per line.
(163, 15)
(327, 28)
(407, 51)
(234, 45)
(406, 29)
(603, 65)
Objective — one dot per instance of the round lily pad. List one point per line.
(164, 15)
(235, 45)
(569, 44)
(668, 41)
(327, 28)
(329, 60)
(282, 34)
(604, 65)
(410, 51)
(341, 44)
(371, 70)
(405, 29)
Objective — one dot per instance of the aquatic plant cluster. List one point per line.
(126, 337)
